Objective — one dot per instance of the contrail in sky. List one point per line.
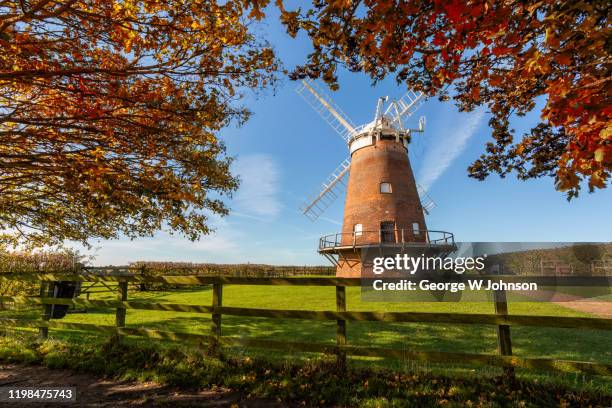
(443, 151)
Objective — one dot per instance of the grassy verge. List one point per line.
(569, 344)
(314, 382)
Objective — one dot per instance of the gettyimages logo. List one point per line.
(473, 271)
(411, 264)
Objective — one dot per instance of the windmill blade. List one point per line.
(427, 203)
(327, 109)
(406, 106)
(331, 189)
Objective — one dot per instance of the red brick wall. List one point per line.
(385, 161)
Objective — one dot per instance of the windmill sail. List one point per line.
(394, 115)
(406, 106)
(325, 106)
(427, 203)
(331, 189)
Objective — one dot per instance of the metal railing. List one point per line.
(396, 236)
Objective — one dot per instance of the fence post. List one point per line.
(122, 295)
(503, 330)
(143, 285)
(217, 302)
(43, 332)
(341, 326)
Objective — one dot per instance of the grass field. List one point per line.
(570, 344)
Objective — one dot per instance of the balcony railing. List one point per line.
(408, 237)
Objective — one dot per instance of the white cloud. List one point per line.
(258, 198)
(225, 238)
(258, 195)
(220, 244)
(441, 154)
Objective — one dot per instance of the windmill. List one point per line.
(384, 206)
(393, 118)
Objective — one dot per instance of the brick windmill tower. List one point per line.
(384, 211)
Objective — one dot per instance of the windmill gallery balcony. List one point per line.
(392, 238)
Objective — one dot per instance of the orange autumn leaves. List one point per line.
(109, 113)
(506, 55)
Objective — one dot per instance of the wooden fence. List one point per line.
(501, 320)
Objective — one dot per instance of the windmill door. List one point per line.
(387, 231)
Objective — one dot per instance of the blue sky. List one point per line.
(285, 151)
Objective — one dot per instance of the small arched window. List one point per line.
(358, 230)
(385, 188)
(416, 228)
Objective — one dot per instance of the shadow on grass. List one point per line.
(570, 344)
(528, 342)
(587, 345)
(590, 345)
(314, 383)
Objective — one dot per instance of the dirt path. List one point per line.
(597, 309)
(92, 391)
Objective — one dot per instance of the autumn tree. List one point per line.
(505, 55)
(110, 113)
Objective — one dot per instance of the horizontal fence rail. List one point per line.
(297, 281)
(403, 317)
(500, 319)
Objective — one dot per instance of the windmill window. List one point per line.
(387, 231)
(358, 230)
(416, 228)
(385, 188)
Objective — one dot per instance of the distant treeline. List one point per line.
(243, 270)
(580, 259)
(235, 270)
(33, 262)
(68, 261)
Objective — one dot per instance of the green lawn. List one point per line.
(582, 345)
